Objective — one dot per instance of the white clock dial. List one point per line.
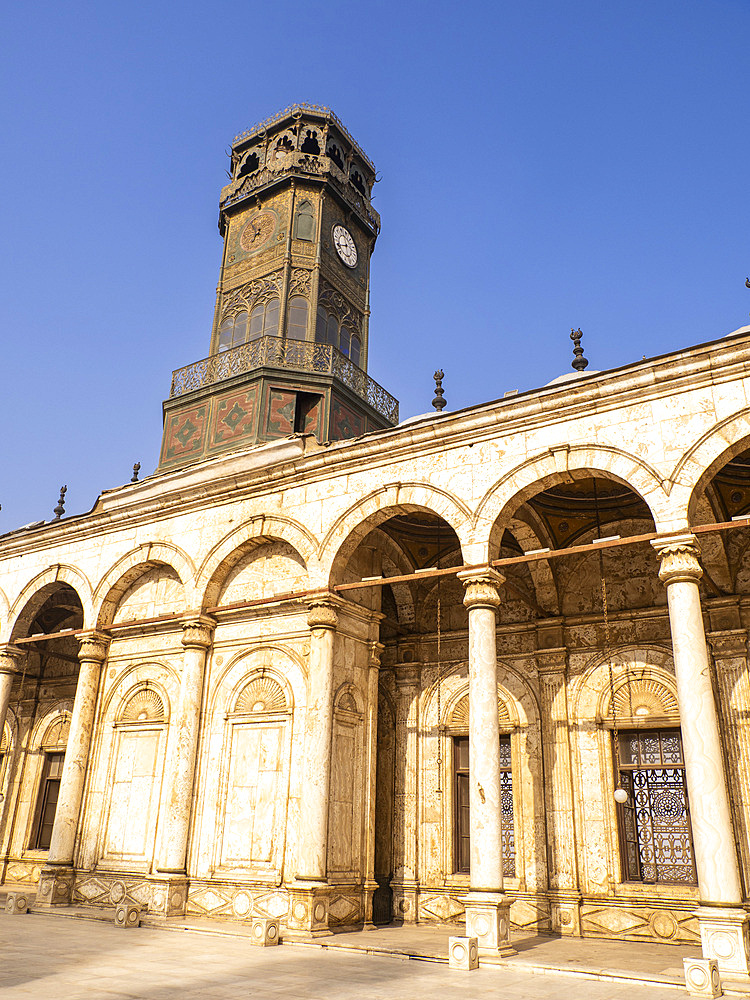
(345, 246)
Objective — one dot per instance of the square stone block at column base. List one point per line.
(264, 932)
(463, 953)
(725, 938)
(169, 896)
(488, 921)
(127, 915)
(55, 887)
(308, 912)
(702, 977)
(18, 902)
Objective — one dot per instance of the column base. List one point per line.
(488, 920)
(565, 913)
(308, 910)
(725, 937)
(169, 895)
(405, 900)
(55, 887)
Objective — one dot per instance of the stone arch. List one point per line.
(258, 530)
(388, 501)
(36, 592)
(545, 585)
(261, 694)
(518, 701)
(124, 573)
(275, 661)
(649, 668)
(701, 462)
(52, 723)
(500, 502)
(136, 676)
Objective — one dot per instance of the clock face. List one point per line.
(345, 246)
(257, 231)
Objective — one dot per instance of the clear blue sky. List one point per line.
(544, 165)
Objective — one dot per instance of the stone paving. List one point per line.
(49, 958)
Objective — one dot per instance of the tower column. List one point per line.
(405, 803)
(373, 676)
(309, 896)
(487, 909)
(56, 878)
(723, 924)
(196, 640)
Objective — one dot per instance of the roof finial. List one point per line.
(60, 509)
(136, 470)
(438, 402)
(579, 362)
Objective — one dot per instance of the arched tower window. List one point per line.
(304, 223)
(233, 331)
(310, 143)
(249, 166)
(297, 325)
(329, 331)
(264, 320)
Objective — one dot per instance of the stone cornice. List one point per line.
(261, 471)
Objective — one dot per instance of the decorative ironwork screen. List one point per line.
(462, 830)
(295, 355)
(655, 821)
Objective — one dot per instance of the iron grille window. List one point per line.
(48, 794)
(655, 837)
(462, 822)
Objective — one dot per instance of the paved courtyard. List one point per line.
(51, 958)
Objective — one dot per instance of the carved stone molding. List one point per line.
(551, 661)
(10, 658)
(198, 631)
(93, 646)
(322, 614)
(407, 675)
(679, 559)
(481, 587)
(728, 644)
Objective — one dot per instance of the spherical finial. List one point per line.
(60, 509)
(578, 362)
(438, 402)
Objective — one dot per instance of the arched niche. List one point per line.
(345, 813)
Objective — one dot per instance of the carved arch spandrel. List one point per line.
(556, 465)
(134, 564)
(700, 463)
(259, 530)
(367, 513)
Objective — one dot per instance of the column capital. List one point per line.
(93, 646)
(551, 661)
(322, 614)
(407, 675)
(10, 657)
(481, 586)
(728, 644)
(198, 630)
(376, 652)
(679, 558)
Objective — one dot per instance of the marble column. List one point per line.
(308, 911)
(565, 897)
(197, 634)
(487, 909)
(56, 878)
(373, 676)
(723, 924)
(405, 805)
(10, 658)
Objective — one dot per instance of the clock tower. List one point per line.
(289, 344)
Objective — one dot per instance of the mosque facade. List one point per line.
(340, 670)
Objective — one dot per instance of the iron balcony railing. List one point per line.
(293, 355)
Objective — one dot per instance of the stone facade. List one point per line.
(255, 724)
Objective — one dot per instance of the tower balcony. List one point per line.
(268, 389)
(290, 355)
